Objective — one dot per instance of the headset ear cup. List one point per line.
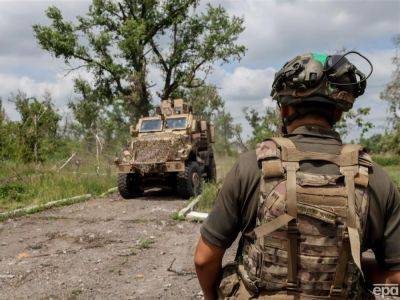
(362, 83)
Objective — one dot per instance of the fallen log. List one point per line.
(184, 211)
(37, 208)
(196, 216)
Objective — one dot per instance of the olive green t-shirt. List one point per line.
(236, 204)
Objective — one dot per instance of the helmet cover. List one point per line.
(319, 78)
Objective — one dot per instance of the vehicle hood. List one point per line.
(158, 148)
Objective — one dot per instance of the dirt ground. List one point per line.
(105, 249)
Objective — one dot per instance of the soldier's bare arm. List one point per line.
(208, 262)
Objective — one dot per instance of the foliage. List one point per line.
(35, 136)
(394, 174)
(353, 119)
(374, 143)
(8, 137)
(386, 160)
(208, 196)
(391, 94)
(263, 125)
(226, 132)
(26, 184)
(195, 42)
(205, 101)
(118, 41)
(176, 217)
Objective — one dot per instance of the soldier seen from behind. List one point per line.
(307, 206)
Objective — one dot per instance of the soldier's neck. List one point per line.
(308, 121)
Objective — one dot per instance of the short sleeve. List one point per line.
(223, 225)
(384, 216)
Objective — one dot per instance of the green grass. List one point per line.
(208, 196)
(386, 160)
(23, 185)
(145, 243)
(176, 217)
(391, 164)
(394, 173)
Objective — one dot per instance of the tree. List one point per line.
(391, 94)
(205, 101)
(226, 132)
(117, 41)
(37, 131)
(195, 43)
(263, 125)
(353, 119)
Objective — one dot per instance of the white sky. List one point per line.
(275, 32)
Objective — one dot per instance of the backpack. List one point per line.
(309, 230)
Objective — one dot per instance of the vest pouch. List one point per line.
(230, 281)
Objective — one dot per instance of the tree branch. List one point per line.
(159, 55)
(121, 8)
(167, 20)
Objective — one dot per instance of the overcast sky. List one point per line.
(275, 32)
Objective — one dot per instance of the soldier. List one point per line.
(306, 205)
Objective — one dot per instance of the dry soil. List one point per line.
(106, 248)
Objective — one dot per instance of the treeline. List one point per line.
(42, 134)
(117, 44)
(36, 136)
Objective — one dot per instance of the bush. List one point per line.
(386, 160)
(13, 192)
(207, 198)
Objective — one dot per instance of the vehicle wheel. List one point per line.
(190, 182)
(129, 185)
(212, 171)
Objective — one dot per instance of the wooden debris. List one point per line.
(67, 161)
(196, 216)
(109, 191)
(184, 211)
(37, 208)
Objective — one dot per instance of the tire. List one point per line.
(212, 171)
(129, 185)
(190, 182)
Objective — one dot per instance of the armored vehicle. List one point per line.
(170, 148)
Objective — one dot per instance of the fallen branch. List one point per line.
(196, 216)
(68, 160)
(109, 191)
(37, 208)
(184, 211)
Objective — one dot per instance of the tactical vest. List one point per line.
(309, 230)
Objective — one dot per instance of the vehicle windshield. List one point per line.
(175, 123)
(151, 125)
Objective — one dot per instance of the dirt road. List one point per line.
(103, 248)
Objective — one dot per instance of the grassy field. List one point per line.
(23, 185)
(394, 173)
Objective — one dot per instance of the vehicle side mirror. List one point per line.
(212, 134)
(133, 131)
(203, 125)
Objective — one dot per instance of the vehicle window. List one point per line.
(150, 125)
(175, 123)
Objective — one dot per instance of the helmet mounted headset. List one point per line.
(319, 80)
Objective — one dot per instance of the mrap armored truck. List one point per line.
(173, 147)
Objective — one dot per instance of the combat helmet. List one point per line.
(320, 78)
